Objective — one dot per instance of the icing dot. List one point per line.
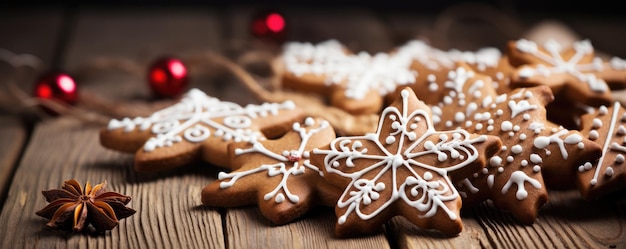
(485, 171)
(495, 161)
(448, 123)
(624, 117)
(597, 123)
(459, 117)
(524, 163)
(490, 128)
(516, 128)
(535, 158)
(537, 168)
(500, 169)
(526, 116)
(428, 176)
(511, 134)
(335, 164)
(433, 87)
(619, 158)
(499, 112)
(593, 135)
(468, 123)
(306, 154)
(593, 182)
(490, 181)
(475, 175)
(548, 152)
(603, 110)
(609, 171)
(516, 149)
(503, 148)
(285, 153)
(479, 126)
(581, 168)
(506, 126)
(522, 137)
(490, 121)
(309, 121)
(510, 159)
(390, 140)
(581, 145)
(413, 126)
(587, 165)
(280, 198)
(621, 130)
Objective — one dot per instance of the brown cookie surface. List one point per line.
(276, 175)
(574, 73)
(197, 127)
(402, 169)
(534, 150)
(605, 126)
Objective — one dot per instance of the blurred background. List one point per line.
(106, 44)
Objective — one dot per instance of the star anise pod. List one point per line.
(73, 207)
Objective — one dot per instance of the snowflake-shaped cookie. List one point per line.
(607, 127)
(355, 83)
(402, 169)
(276, 174)
(574, 72)
(533, 148)
(197, 126)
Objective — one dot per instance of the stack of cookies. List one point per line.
(455, 128)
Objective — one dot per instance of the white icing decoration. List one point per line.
(519, 107)
(288, 162)
(194, 118)
(607, 143)
(519, 178)
(433, 194)
(358, 73)
(542, 142)
(516, 149)
(558, 65)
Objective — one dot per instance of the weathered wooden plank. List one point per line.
(247, 228)
(13, 135)
(168, 215)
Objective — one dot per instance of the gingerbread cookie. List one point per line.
(356, 83)
(197, 126)
(487, 61)
(574, 72)
(277, 175)
(402, 169)
(606, 126)
(534, 150)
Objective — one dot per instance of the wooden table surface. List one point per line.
(39, 154)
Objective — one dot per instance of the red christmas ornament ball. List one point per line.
(168, 77)
(57, 85)
(269, 25)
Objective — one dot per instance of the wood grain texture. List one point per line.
(247, 228)
(13, 135)
(168, 215)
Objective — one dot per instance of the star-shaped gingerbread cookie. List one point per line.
(198, 126)
(277, 175)
(402, 169)
(356, 83)
(607, 127)
(534, 150)
(572, 72)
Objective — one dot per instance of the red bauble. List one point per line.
(57, 85)
(168, 77)
(269, 25)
